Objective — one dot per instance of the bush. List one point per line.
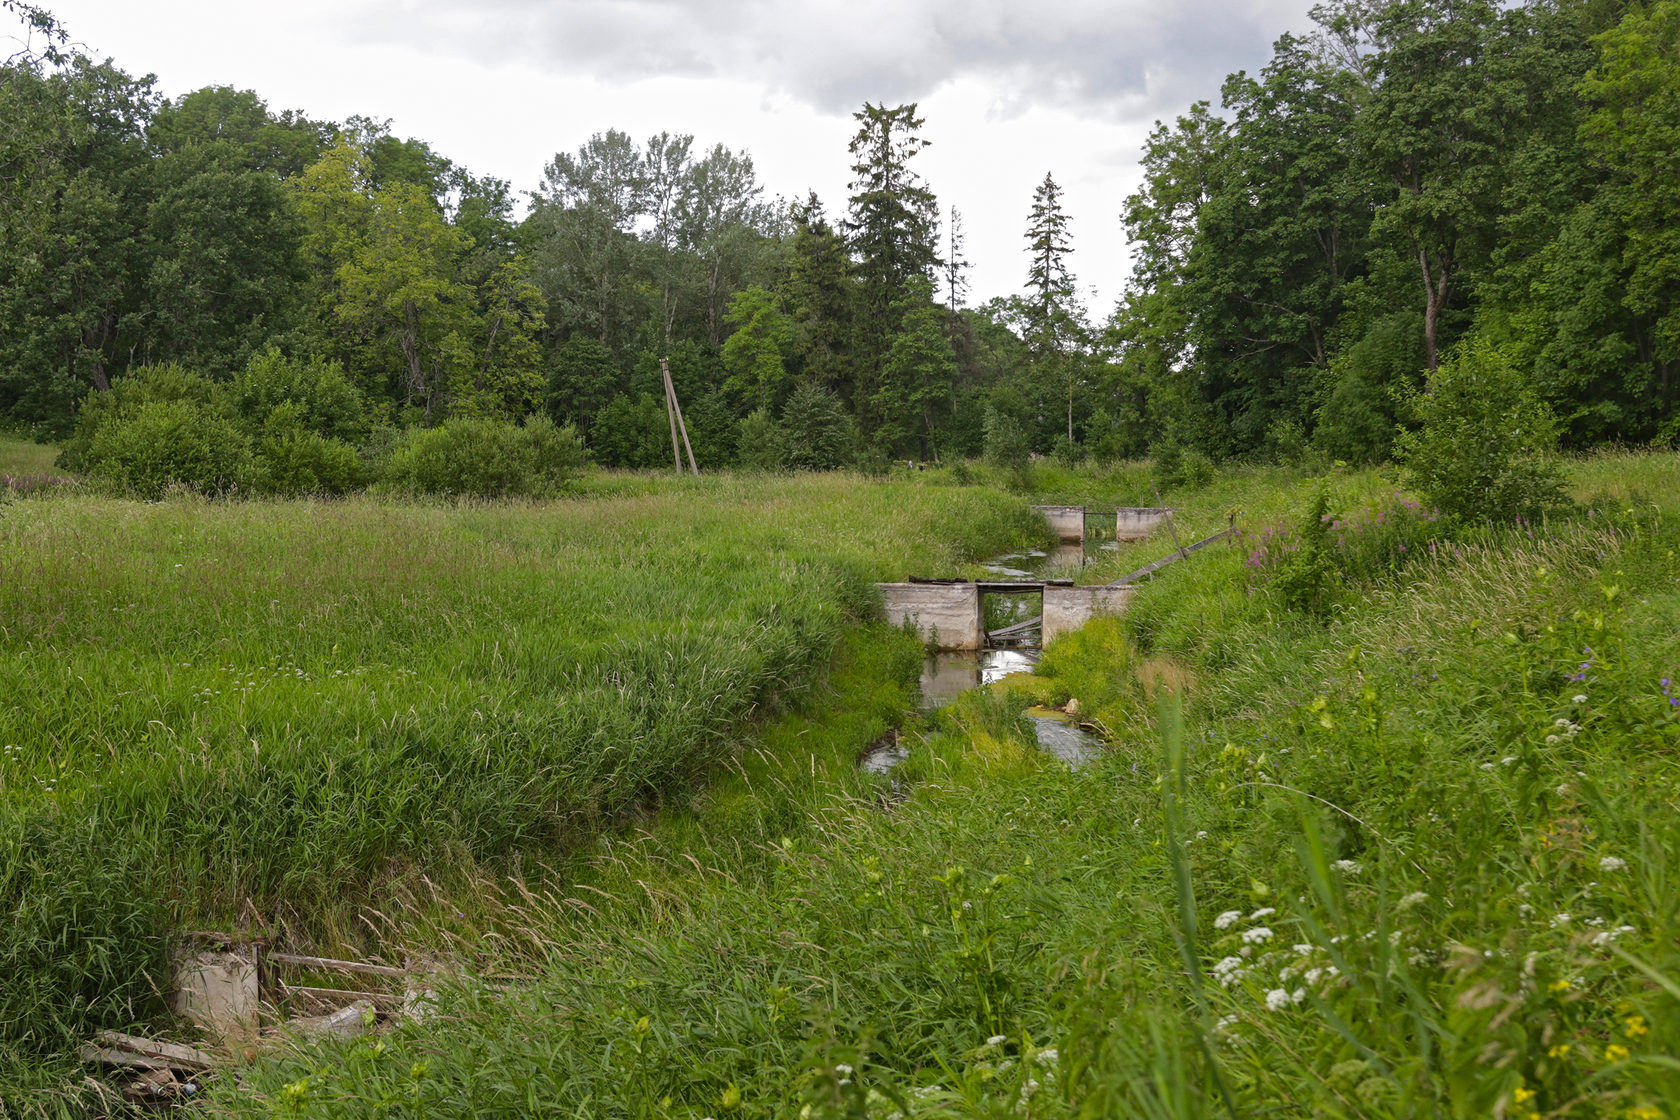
(320, 396)
(1176, 468)
(485, 458)
(1007, 446)
(147, 385)
(1483, 452)
(758, 442)
(816, 433)
(164, 444)
(295, 460)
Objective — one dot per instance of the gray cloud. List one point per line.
(1120, 60)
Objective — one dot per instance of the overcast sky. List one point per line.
(1009, 89)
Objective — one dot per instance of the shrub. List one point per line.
(1483, 451)
(485, 458)
(1177, 468)
(295, 460)
(147, 385)
(758, 442)
(321, 397)
(1306, 566)
(816, 433)
(1007, 445)
(1067, 453)
(164, 444)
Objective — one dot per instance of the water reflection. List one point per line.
(947, 675)
(1062, 739)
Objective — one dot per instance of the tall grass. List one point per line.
(269, 716)
(1416, 858)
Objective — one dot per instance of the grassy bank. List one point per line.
(271, 715)
(1410, 852)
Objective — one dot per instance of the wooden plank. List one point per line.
(1000, 587)
(176, 1055)
(1017, 628)
(1151, 569)
(331, 965)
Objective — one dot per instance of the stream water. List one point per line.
(949, 674)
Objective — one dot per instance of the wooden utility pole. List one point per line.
(674, 407)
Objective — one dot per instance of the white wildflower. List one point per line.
(1416, 898)
(1227, 919)
(1507, 760)
(1227, 966)
(1560, 723)
(1312, 975)
(1048, 1056)
(1579, 698)
(1487, 766)
(1297, 995)
(842, 1069)
(1263, 912)
(1277, 999)
(1560, 919)
(1303, 950)
(996, 1040)
(1225, 1024)
(1259, 935)
(1612, 863)
(1554, 739)
(1347, 866)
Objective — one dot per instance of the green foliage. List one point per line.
(816, 433)
(484, 459)
(1484, 447)
(756, 353)
(1308, 579)
(1176, 468)
(161, 445)
(297, 460)
(1006, 442)
(632, 432)
(759, 444)
(318, 396)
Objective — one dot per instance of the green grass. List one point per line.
(21, 457)
(1413, 857)
(277, 716)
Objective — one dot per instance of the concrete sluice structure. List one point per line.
(949, 616)
(1137, 523)
(1067, 521)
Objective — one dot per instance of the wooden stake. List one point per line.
(671, 395)
(671, 415)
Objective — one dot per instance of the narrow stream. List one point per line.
(949, 674)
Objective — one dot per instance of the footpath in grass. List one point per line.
(276, 717)
(1398, 841)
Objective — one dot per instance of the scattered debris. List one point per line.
(348, 1022)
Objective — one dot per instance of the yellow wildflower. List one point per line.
(1635, 1027)
(1558, 1051)
(1614, 1053)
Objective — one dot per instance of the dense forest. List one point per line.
(204, 271)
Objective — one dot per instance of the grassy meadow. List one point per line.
(272, 716)
(1383, 832)
(1410, 855)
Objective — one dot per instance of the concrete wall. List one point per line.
(951, 609)
(1137, 523)
(1069, 608)
(1067, 521)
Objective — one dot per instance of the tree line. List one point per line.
(1412, 179)
(211, 246)
(1414, 174)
